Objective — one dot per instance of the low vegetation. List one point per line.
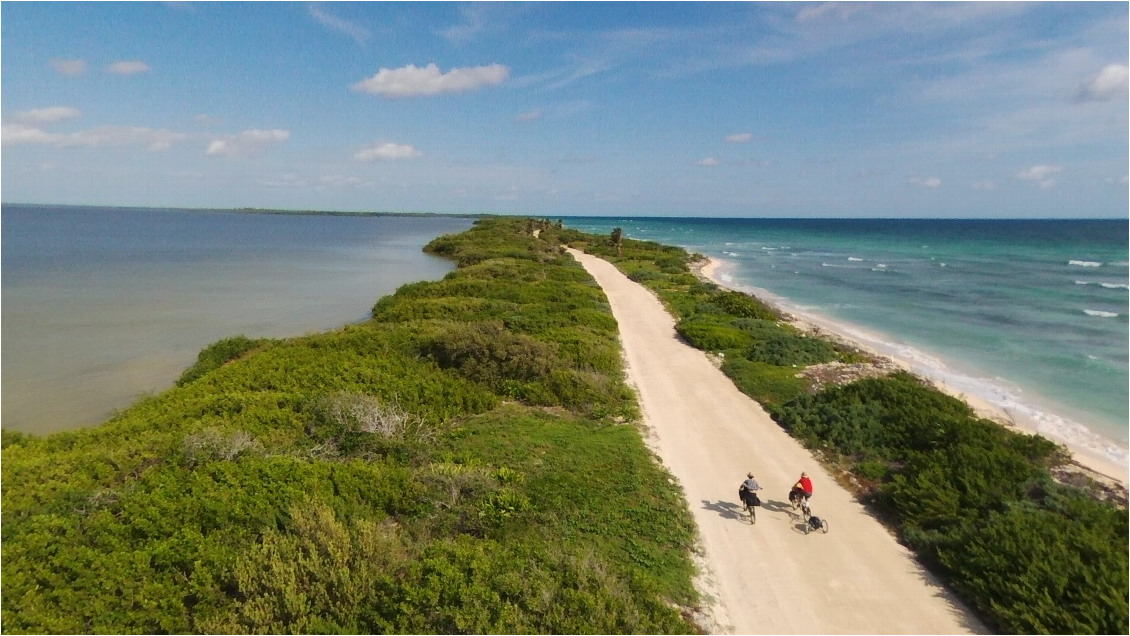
(459, 463)
(975, 500)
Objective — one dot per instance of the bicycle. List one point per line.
(805, 510)
(750, 502)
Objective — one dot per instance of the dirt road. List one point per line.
(769, 577)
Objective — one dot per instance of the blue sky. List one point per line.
(701, 109)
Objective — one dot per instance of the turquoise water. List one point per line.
(1031, 315)
(101, 305)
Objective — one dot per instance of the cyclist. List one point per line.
(748, 489)
(801, 489)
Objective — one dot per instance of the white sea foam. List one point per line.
(1101, 314)
(852, 258)
(1120, 264)
(1115, 285)
(1085, 263)
(881, 265)
(1082, 282)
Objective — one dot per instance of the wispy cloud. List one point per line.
(484, 17)
(14, 134)
(511, 194)
(708, 162)
(69, 67)
(411, 81)
(739, 138)
(924, 182)
(1113, 82)
(342, 181)
(841, 10)
(554, 111)
(359, 33)
(128, 67)
(247, 142)
(37, 116)
(288, 180)
(1040, 175)
(387, 151)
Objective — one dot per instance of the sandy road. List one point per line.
(768, 577)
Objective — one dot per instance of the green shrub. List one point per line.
(786, 349)
(743, 306)
(710, 335)
(218, 354)
(768, 384)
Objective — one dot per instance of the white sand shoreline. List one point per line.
(1084, 457)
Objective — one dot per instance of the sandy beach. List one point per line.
(768, 577)
(1086, 461)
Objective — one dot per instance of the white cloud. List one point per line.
(530, 116)
(13, 134)
(924, 182)
(131, 67)
(841, 9)
(69, 67)
(387, 151)
(739, 138)
(247, 142)
(1113, 82)
(411, 81)
(205, 119)
(987, 184)
(1040, 175)
(46, 115)
(709, 162)
(359, 33)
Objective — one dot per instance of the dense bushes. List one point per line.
(974, 500)
(217, 354)
(368, 479)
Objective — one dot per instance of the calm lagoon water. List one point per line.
(101, 305)
(1030, 315)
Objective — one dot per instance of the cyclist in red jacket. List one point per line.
(802, 488)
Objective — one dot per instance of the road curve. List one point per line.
(769, 577)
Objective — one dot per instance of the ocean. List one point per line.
(1028, 315)
(101, 305)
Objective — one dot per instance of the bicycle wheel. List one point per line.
(824, 526)
(752, 513)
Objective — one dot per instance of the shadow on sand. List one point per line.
(726, 509)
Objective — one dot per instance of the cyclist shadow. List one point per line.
(725, 509)
(776, 506)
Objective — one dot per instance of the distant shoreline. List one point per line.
(1096, 467)
(454, 215)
